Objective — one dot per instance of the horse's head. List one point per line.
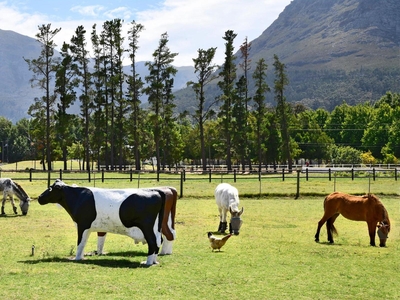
(24, 205)
(383, 231)
(53, 194)
(236, 221)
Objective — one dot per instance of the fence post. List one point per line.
(234, 175)
(102, 175)
(298, 185)
(181, 191)
(395, 174)
(373, 173)
(352, 173)
(259, 175)
(330, 174)
(30, 175)
(306, 174)
(184, 175)
(209, 175)
(130, 176)
(60, 174)
(283, 174)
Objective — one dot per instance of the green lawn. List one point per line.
(274, 257)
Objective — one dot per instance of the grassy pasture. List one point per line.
(274, 257)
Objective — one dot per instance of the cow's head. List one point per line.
(53, 194)
(236, 221)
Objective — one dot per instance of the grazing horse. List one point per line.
(11, 188)
(227, 198)
(357, 208)
(132, 212)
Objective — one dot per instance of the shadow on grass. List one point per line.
(101, 261)
(11, 216)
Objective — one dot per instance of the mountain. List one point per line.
(334, 51)
(16, 93)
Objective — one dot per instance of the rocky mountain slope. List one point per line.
(334, 50)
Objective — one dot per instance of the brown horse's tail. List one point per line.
(330, 227)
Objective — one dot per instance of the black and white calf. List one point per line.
(132, 212)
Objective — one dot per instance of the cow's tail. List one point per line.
(161, 212)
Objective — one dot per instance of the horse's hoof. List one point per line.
(317, 240)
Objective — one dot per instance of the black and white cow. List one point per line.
(132, 212)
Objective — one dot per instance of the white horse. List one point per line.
(11, 188)
(227, 198)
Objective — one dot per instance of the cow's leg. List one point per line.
(151, 238)
(101, 238)
(371, 230)
(82, 240)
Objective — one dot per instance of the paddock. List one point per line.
(275, 253)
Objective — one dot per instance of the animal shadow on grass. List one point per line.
(11, 216)
(103, 262)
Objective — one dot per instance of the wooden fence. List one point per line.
(302, 181)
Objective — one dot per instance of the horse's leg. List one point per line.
(371, 230)
(320, 224)
(3, 203)
(223, 223)
(330, 228)
(220, 219)
(13, 204)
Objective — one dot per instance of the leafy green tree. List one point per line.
(335, 123)
(43, 68)
(227, 86)
(344, 155)
(204, 67)
(354, 123)
(313, 142)
(376, 135)
(259, 76)
(282, 109)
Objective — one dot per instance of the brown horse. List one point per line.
(357, 208)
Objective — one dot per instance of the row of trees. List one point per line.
(113, 128)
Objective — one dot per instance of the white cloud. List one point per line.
(190, 24)
(90, 11)
(123, 13)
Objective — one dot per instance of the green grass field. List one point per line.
(274, 257)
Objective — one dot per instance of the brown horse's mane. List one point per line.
(385, 215)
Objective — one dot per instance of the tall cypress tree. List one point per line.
(280, 83)
(228, 74)
(135, 85)
(159, 90)
(81, 59)
(259, 100)
(43, 68)
(205, 73)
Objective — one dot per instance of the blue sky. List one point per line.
(190, 24)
